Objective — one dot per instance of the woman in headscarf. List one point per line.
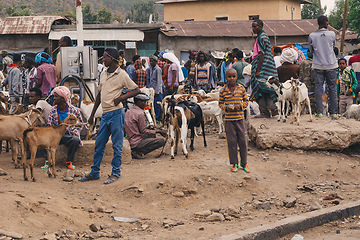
(228, 59)
(46, 76)
(288, 68)
(175, 75)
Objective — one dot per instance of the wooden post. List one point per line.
(344, 26)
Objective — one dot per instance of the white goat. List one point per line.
(299, 94)
(353, 112)
(283, 91)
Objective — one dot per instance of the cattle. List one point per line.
(46, 137)
(13, 126)
(184, 116)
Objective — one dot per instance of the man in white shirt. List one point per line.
(277, 53)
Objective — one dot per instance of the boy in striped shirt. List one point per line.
(233, 100)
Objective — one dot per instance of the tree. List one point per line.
(140, 12)
(12, 11)
(311, 11)
(336, 16)
(103, 16)
(88, 16)
(354, 13)
(118, 17)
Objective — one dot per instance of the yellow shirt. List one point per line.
(111, 86)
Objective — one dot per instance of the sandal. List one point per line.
(46, 166)
(88, 178)
(235, 168)
(111, 179)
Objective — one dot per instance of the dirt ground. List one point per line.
(172, 198)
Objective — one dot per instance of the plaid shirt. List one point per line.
(139, 76)
(53, 119)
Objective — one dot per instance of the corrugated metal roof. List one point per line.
(28, 24)
(180, 1)
(239, 28)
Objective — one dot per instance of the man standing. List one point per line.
(139, 76)
(15, 84)
(154, 80)
(263, 66)
(112, 81)
(46, 73)
(6, 61)
(57, 114)
(190, 65)
(142, 140)
(130, 70)
(321, 44)
(354, 62)
(239, 67)
(65, 41)
(307, 76)
(277, 53)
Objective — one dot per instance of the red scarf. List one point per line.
(13, 65)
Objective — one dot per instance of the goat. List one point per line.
(48, 137)
(325, 104)
(299, 94)
(353, 112)
(184, 116)
(12, 127)
(283, 92)
(86, 108)
(212, 108)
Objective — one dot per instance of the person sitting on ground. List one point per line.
(288, 68)
(35, 99)
(346, 83)
(142, 140)
(57, 114)
(233, 100)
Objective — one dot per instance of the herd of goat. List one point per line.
(180, 112)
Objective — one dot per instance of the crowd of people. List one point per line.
(241, 75)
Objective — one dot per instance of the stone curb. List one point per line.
(296, 223)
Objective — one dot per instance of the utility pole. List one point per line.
(79, 23)
(344, 26)
(321, 13)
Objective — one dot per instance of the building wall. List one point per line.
(18, 42)
(184, 44)
(234, 10)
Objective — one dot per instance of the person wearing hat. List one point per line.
(154, 80)
(6, 61)
(46, 73)
(142, 140)
(57, 114)
(112, 82)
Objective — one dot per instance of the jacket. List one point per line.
(14, 80)
(353, 82)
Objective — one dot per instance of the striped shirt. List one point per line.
(238, 97)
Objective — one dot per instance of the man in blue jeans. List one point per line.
(321, 44)
(112, 81)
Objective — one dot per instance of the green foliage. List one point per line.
(141, 10)
(336, 16)
(354, 13)
(13, 11)
(103, 16)
(88, 16)
(312, 11)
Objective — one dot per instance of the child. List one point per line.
(233, 100)
(346, 83)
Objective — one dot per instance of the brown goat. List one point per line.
(45, 137)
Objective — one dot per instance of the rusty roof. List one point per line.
(29, 24)
(239, 28)
(180, 1)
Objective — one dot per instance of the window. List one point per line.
(222, 18)
(253, 17)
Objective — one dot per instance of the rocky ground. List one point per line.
(194, 198)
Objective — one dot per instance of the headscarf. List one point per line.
(64, 92)
(161, 54)
(226, 58)
(39, 58)
(288, 55)
(172, 58)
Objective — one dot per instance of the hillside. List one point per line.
(59, 7)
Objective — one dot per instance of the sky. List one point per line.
(329, 3)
